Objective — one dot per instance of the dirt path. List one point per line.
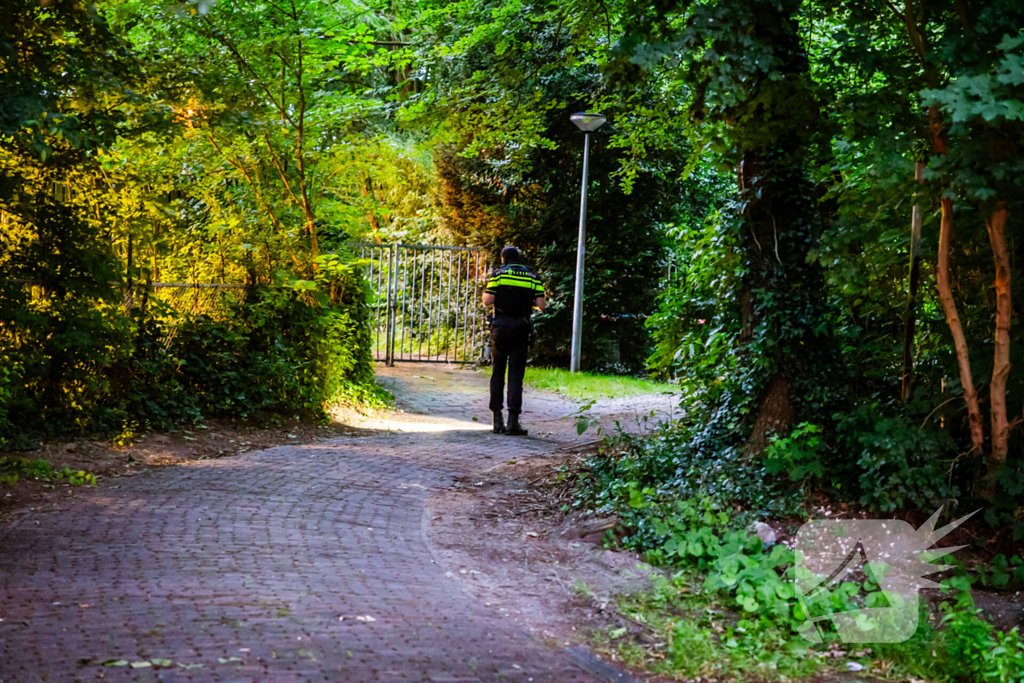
(296, 563)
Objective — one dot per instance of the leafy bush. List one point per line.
(898, 465)
(974, 647)
(305, 352)
(699, 536)
(798, 455)
(690, 459)
(6, 393)
(294, 348)
(1001, 572)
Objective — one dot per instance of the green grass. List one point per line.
(686, 635)
(586, 386)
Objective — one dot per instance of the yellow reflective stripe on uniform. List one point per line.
(517, 279)
(532, 285)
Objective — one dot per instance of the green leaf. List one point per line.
(1011, 42)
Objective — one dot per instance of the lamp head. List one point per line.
(588, 121)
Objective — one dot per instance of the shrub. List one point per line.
(7, 374)
(898, 464)
(292, 348)
(798, 455)
(973, 646)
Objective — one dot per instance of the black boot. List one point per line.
(514, 429)
(499, 422)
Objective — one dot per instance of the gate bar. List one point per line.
(393, 266)
(430, 307)
(423, 280)
(392, 295)
(448, 306)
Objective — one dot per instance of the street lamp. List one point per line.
(587, 122)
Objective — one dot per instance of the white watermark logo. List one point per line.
(889, 557)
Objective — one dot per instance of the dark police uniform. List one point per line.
(514, 287)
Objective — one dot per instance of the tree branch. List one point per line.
(242, 63)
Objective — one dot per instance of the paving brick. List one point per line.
(256, 557)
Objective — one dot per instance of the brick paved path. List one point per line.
(298, 563)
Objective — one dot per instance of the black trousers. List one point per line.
(510, 340)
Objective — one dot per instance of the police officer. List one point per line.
(515, 291)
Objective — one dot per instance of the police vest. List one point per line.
(514, 288)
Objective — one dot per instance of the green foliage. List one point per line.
(12, 469)
(899, 465)
(293, 349)
(278, 119)
(974, 647)
(511, 161)
(798, 455)
(1001, 573)
(75, 478)
(689, 345)
(690, 460)
(720, 565)
(880, 462)
(695, 637)
(858, 118)
(7, 377)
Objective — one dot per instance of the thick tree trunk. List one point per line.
(762, 188)
(959, 342)
(780, 289)
(914, 277)
(996, 224)
(775, 415)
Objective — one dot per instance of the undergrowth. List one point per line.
(14, 469)
(291, 347)
(728, 608)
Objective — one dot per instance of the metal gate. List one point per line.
(427, 301)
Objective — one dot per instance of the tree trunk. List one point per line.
(959, 342)
(129, 297)
(914, 277)
(775, 415)
(996, 224)
(762, 186)
(374, 223)
(780, 289)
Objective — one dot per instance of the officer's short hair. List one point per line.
(509, 254)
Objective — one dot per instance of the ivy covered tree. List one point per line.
(745, 66)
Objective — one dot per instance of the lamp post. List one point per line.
(587, 122)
